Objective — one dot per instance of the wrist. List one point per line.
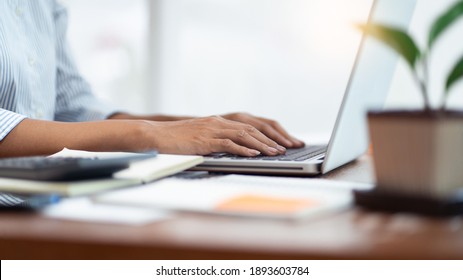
(131, 136)
(111, 135)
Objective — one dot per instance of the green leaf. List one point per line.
(455, 75)
(444, 21)
(397, 39)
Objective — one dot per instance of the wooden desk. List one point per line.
(354, 234)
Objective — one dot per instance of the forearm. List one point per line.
(158, 118)
(34, 137)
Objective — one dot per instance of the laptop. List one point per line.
(367, 88)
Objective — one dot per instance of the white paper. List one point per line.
(84, 154)
(83, 209)
(204, 195)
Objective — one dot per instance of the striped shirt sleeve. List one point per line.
(8, 200)
(8, 121)
(75, 100)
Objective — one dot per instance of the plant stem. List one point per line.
(424, 91)
(425, 82)
(443, 103)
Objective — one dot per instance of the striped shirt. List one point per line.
(38, 77)
(8, 200)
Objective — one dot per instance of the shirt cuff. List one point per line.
(8, 121)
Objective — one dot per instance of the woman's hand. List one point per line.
(237, 133)
(272, 129)
(203, 136)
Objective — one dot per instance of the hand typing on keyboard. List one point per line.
(208, 135)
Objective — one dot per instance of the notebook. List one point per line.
(138, 173)
(367, 88)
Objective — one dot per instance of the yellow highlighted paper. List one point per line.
(265, 205)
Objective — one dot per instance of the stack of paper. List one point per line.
(240, 195)
(138, 173)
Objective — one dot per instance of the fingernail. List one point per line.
(281, 149)
(255, 152)
(272, 150)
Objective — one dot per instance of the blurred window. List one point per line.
(109, 41)
(284, 59)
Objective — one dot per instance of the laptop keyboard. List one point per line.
(301, 154)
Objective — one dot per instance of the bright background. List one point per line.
(284, 59)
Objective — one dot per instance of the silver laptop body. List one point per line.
(367, 89)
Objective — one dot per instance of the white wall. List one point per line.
(110, 40)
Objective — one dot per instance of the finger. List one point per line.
(275, 135)
(260, 136)
(243, 138)
(270, 128)
(228, 146)
(297, 143)
(254, 132)
(281, 136)
(289, 140)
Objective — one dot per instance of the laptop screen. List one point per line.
(368, 86)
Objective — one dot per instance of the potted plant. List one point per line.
(419, 153)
